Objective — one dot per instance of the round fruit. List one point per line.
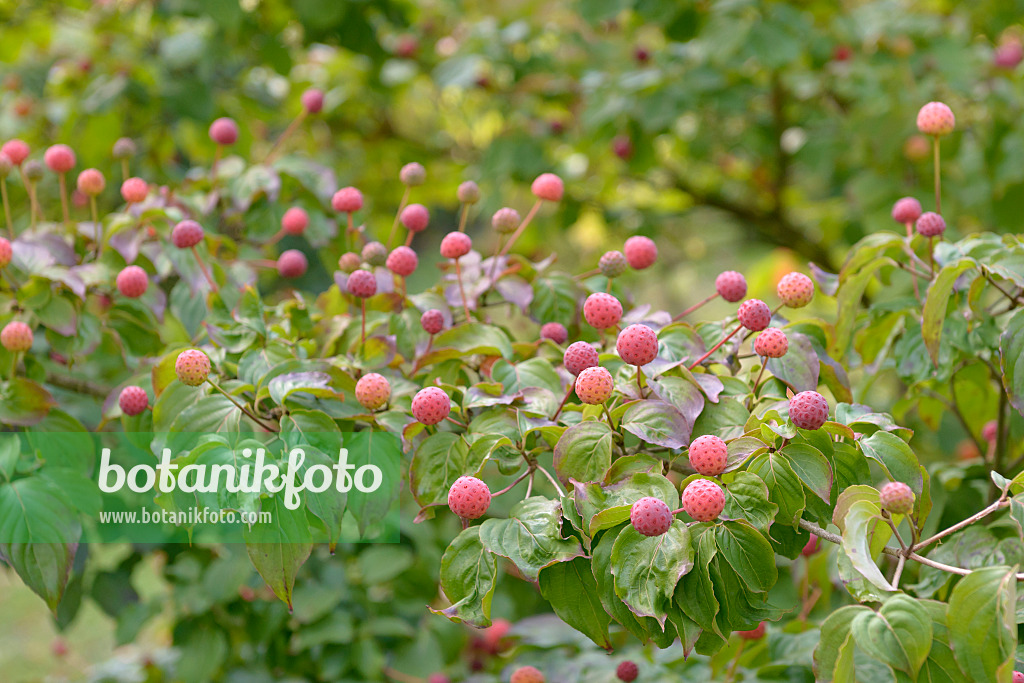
(16, 336)
(413, 174)
(375, 253)
(627, 671)
(431, 405)
(186, 234)
(132, 282)
(192, 367)
(896, 498)
(811, 547)
(641, 252)
(362, 284)
(754, 315)
(755, 634)
(703, 500)
(906, 210)
(292, 264)
(579, 356)
(469, 498)
(1007, 56)
(432, 321)
(935, 118)
(313, 100)
(468, 192)
(295, 221)
(548, 187)
(594, 385)
(556, 332)
(795, 289)
(224, 131)
(731, 286)
(456, 245)
(134, 190)
(708, 455)
(602, 311)
(989, 432)
(402, 261)
(124, 148)
(637, 345)
(505, 220)
(59, 158)
(438, 678)
(612, 264)
(6, 252)
(650, 516)
(1018, 677)
(772, 343)
(930, 224)
(349, 262)
(526, 674)
(808, 410)
(372, 391)
(133, 400)
(91, 182)
(347, 200)
(415, 217)
(16, 150)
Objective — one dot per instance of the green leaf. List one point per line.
(935, 305)
(899, 634)
(658, 423)
(601, 564)
(799, 368)
(1011, 357)
(531, 536)
(279, 548)
(572, 591)
(474, 338)
(647, 568)
(860, 522)
(748, 553)
(982, 628)
(584, 452)
(784, 486)
(895, 456)
(440, 459)
(467, 578)
(695, 594)
(812, 467)
(941, 666)
(747, 498)
(23, 402)
(833, 657)
(848, 303)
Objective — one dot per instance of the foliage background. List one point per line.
(761, 134)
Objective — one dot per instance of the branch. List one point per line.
(80, 386)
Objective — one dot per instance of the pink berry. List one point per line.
(469, 497)
(612, 264)
(456, 245)
(637, 345)
(526, 674)
(641, 252)
(650, 516)
(811, 547)
(594, 385)
(935, 118)
(431, 405)
(602, 311)
(15, 150)
(708, 455)
(795, 289)
(292, 264)
(579, 356)
(1007, 56)
(731, 286)
(59, 158)
(622, 146)
(186, 234)
(313, 100)
(505, 220)
(438, 678)
(347, 200)
(415, 217)
(754, 634)
(627, 671)
(413, 174)
(91, 182)
(808, 410)
(132, 282)
(930, 224)
(133, 400)
(772, 343)
(432, 321)
(906, 210)
(192, 367)
(373, 391)
(16, 336)
(134, 190)
(6, 165)
(295, 221)
(468, 192)
(703, 500)
(402, 261)
(124, 148)
(556, 332)
(375, 253)
(548, 187)
(990, 432)
(754, 315)
(362, 284)
(349, 262)
(896, 498)
(6, 252)
(224, 131)
(1018, 677)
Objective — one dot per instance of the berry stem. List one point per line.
(362, 333)
(714, 348)
(62, 181)
(292, 127)
(348, 232)
(931, 254)
(764, 364)
(640, 381)
(522, 226)
(511, 486)
(35, 210)
(456, 422)
(408, 238)
(202, 267)
(241, 407)
(554, 482)
(125, 172)
(97, 227)
(938, 177)
(910, 229)
(561, 405)
(216, 160)
(730, 675)
(608, 416)
(7, 207)
(494, 259)
(462, 291)
(694, 307)
(394, 225)
(462, 217)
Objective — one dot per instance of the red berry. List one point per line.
(15, 150)
(556, 332)
(438, 678)
(548, 187)
(795, 289)
(989, 432)
(808, 410)
(402, 261)
(935, 118)
(313, 100)
(708, 455)
(292, 264)
(906, 210)
(186, 234)
(754, 634)
(192, 367)
(16, 336)
(642, 55)
(754, 315)
(622, 146)
(526, 674)
(930, 225)
(731, 286)
(468, 192)
(650, 516)
(811, 547)
(91, 182)
(413, 174)
(134, 190)
(1007, 56)
(842, 53)
(896, 498)
(772, 343)
(362, 284)
(432, 321)
(703, 500)
(6, 252)
(612, 264)
(602, 311)
(594, 385)
(294, 221)
(627, 671)
(347, 200)
(456, 245)
(579, 356)
(493, 635)
(59, 158)
(641, 252)
(1018, 677)
(505, 220)
(224, 131)
(637, 345)
(415, 217)
(431, 405)
(132, 282)
(375, 253)
(469, 497)
(373, 391)
(133, 400)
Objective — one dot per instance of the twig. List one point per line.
(694, 307)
